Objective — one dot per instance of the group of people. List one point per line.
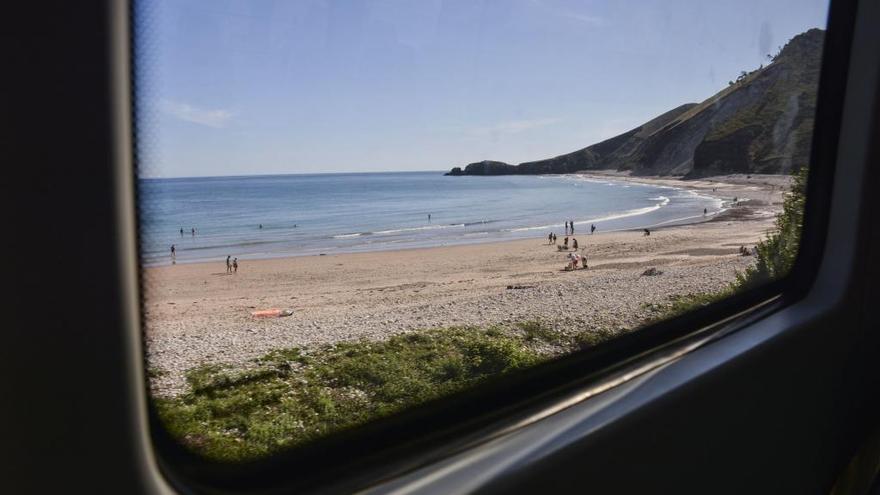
(574, 259)
(551, 239)
(174, 248)
(231, 267)
(569, 227)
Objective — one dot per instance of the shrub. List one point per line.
(776, 254)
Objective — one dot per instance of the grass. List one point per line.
(290, 396)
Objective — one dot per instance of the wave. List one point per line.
(349, 236)
(663, 201)
(416, 229)
(691, 217)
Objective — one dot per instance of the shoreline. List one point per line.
(702, 187)
(196, 314)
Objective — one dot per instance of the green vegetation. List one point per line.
(291, 396)
(777, 253)
(774, 259)
(775, 256)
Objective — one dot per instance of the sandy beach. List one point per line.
(196, 313)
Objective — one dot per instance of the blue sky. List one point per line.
(288, 86)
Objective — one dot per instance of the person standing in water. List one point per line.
(705, 211)
(429, 217)
(261, 226)
(173, 255)
(228, 264)
(181, 232)
(592, 228)
(571, 226)
(194, 231)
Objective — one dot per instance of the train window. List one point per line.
(350, 210)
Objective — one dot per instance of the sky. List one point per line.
(251, 87)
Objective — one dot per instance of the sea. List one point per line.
(268, 216)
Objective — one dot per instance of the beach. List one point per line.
(196, 313)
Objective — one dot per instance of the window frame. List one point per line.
(403, 442)
(103, 437)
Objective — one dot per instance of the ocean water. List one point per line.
(340, 213)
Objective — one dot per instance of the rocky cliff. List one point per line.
(762, 123)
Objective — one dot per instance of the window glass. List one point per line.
(351, 208)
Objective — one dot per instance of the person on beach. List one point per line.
(173, 255)
(574, 243)
(429, 217)
(566, 227)
(705, 211)
(565, 242)
(647, 232)
(228, 264)
(181, 232)
(235, 265)
(571, 227)
(261, 226)
(194, 231)
(554, 238)
(584, 261)
(550, 238)
(592, 228)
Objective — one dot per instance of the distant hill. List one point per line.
(762, 123)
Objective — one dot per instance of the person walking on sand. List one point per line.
(235, 265)
(554, 238)
(565, 242)
(574, 243)
(550, 238)
(228, 264)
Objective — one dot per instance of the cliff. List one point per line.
(762, 123)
